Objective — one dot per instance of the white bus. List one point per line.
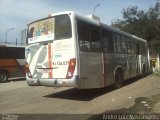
(12, 62)
(66, 49)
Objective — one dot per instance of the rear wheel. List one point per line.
(118, 79)
(3, 77)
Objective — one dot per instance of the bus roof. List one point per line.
(54, 14)
(122, 32)
(92, 21)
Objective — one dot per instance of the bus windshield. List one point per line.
(58, 27)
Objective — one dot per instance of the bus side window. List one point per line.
(118, 43)
(2, 52)
(110, 43)
(107, 41)
(7, 53)
(11, 52)
(104, 38)
(20, 53)
(131, 46)
(134, 48)
(124, 47)
(95, 39)
(143, 50)
(137, 49)
(83, 36)
(114, 43)
(128, 45)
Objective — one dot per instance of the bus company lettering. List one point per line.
(61, 46)
(60, 63)
(58, 56)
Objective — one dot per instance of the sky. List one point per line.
(18, 13)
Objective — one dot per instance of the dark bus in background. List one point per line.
(12, 62)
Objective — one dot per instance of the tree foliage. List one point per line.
(142, 23)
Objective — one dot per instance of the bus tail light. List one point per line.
(28, 71)
(71, 68)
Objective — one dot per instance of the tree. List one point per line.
(144, 24)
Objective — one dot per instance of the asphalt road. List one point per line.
(16, 97)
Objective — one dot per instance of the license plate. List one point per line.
(46, 70)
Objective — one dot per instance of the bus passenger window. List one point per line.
(124, 47)
(131, 46)
(115, 43)
(143, 50)
(107, 41)
(104, 40)
(83, 36)
(128, 42)
(11, 52)
(3, 53)
(89, 37)
(20, 53)
(137, 49)
(95, 39)
(134, 48)
(118, 43)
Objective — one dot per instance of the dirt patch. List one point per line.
(143, 105)
(157, 74)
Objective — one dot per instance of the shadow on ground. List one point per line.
(80, 95)
(87, 94)
(143, 105)
(13, 80)
(16, 79)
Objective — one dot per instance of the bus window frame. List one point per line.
(28, 29)
(89, 47)
(109, 38)
(123, 40)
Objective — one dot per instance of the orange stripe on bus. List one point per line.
(8, 64)
(50, 60)
(12, 65)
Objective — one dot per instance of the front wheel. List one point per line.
(118, 79)
(3, 77)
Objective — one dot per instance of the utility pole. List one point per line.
(95, 8)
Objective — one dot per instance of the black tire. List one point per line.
(3, 77)
(118, 79)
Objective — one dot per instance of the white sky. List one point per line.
(18, 13)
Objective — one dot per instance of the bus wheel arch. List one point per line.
(4, 75)
(119, 78)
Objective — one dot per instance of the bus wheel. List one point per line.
(3, 77)
(118, 79)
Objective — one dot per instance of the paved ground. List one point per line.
(137, 96)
